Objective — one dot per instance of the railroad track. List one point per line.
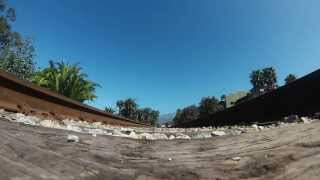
(22, 96)
(301, 97)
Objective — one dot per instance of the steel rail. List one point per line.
(301, 97)
(25, 97)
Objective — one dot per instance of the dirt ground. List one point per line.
(32, 153)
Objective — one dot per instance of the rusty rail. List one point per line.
(22, 96)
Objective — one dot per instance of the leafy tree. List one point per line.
(67, 80)
(177, 118)
(290, 78)
(270, 78)
(16, 53)
(263, 80)
(256, 81)
(209, 106)
(127, 108)
(7, 36)
(190, 113)
(19, 60)
(147, 115)
(110, 110)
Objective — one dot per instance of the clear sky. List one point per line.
(169, 53)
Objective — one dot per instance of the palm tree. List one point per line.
(67, 80)
(127, 108)
(109, 109)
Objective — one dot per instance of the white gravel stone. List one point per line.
(159, 136)
(133, 135)
(147, 136)
(305, 120)
(202, 136)
(171, 137)
(21, 118)
(218, 133)
(117, 133)
(73, 138)
(236, 132)
(98, 128)
(254, 126)
(73, 128)
(182, 136)
(49, 124)
(236, 158)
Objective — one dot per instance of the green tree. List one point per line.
(290, 78)
(19, 60)
(110, 110)
(127, 108)
(263, 80)
(177, 118)
(67, 80)
(16, 53)
(188, 114)
(209, 106)
(7, 36)
(148, 115)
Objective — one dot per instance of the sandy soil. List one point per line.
(32, 153)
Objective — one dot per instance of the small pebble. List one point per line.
(73, 138)
(236, 158)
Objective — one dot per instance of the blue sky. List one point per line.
(169, 53)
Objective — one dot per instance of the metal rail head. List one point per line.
(23, 96)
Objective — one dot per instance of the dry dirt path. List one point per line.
(31, 153)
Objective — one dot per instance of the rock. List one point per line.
(171, 137)
(305, 120)
(218, 133)
(201, 135)
(236, 132)
(159, 136)
(278, 123)
(117, 133)
(260, 128)
(107, 133)
(93, 131)
(73, 138)
(255, 127)
(236, 159)
(182, 136)
(170, 159)
(49, 123)
(292, 119)
(21, 118)
(73, 128)
(94, 135)
(147, 136)
(133, 135)
(127, 132)
(316, 115)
